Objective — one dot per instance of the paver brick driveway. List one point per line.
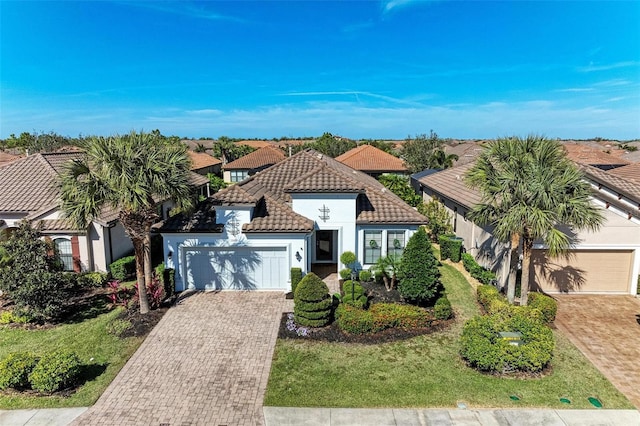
(607, 330)
(207, 362)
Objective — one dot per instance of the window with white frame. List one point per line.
(372, 246)
(63, 246)
(395, 243)
(238, 175)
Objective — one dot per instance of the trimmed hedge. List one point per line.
(482, 347)
(91, 279)
(296, 276)
(354, 294)
(476, 271)
(486, 294)
(442, 309)
(381, 316)
(56, 370)
(123, 268)
(15, 369)
(450, 247)
(312, 303)
(545, 304)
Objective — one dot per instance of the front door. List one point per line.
(324, 246)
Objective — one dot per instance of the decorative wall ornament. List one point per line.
(324, 213)
(233, 226)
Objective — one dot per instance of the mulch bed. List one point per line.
(377, 294)
(141, 325)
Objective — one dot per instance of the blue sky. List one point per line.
(360, 69)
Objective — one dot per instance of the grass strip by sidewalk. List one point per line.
(426, 371)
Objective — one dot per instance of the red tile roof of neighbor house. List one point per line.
(255, 144)
(263, 157)
(307, 171)
(584, 154)
(368, 158)
(6, 158)
(200, 160)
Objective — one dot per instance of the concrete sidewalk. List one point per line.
(40, 417)
(286, 416)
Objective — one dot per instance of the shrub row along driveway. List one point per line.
(206, 362)
(607, 330)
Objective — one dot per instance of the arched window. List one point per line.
(65, 252)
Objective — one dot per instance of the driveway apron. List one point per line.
(207, 362)
(607, 331)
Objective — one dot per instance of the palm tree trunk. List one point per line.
(138, 246)
(513, 267)
(148, 268)
(527, 246)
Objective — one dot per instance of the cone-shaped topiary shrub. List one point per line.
(312, 303)
(418, 274)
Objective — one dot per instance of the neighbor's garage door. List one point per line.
(237, 268)
(585, 271)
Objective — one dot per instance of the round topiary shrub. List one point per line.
(484, 349)
(312, 303)
(442, 309)
(545, 304)
(364, 276)
(56, 370)
(15, 369)
(345, 273)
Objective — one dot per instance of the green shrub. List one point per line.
(345, 273)
(418, 274)
(41, 297)
(10, 317)
(312, 303)
(352, 288)
(442, 309)
(15, 369)
(483, 348)
(124, 268)
(381, 316)
(445, 247)
(486, 294)
(348, 259)
(169, 275)
(92, 279)
(364, 276)
(476, 271)
(354, 294)
(545, 304)
(296, 276)
(455, 249)
(56, 370)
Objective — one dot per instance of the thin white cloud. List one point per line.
(576, 89)
(388, 5)
(357, 95)
(594, 67)
(185, 9)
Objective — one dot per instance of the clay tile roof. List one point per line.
(6, 158)
(261, 158)
(628, 172)
(255, 144)
(234, 195)
(584, 154)
(449, 183)
(272, 216)
(200, 160)
(368, 158)
(202, 220)
(627, 187)
(197, 180)
(28, 185)
(56, 225)
(324, 179)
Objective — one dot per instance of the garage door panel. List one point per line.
(584, 271)
(238, 268)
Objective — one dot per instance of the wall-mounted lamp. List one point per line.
(298, 257)
(170, 255)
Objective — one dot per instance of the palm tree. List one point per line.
(441, 160)
(130, 174)
(529, 189)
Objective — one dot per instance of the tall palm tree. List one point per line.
(529, 190)
(441, 160)
(130, 174)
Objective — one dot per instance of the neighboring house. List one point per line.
(589, 156)
(607, 261)
(252, 163)
(303, 211)
(372, 161)
(6, 158)
(203, 163)
(30, 192)
(629, 172)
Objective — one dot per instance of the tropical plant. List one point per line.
(386, 267)
(128, 173)
(216, 183)
(441, 160)
(400, 186)
(531, 190)
(417, 152)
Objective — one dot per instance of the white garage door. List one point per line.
(237, 268)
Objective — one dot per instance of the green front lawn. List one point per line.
(89, 339)
(425, 371)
